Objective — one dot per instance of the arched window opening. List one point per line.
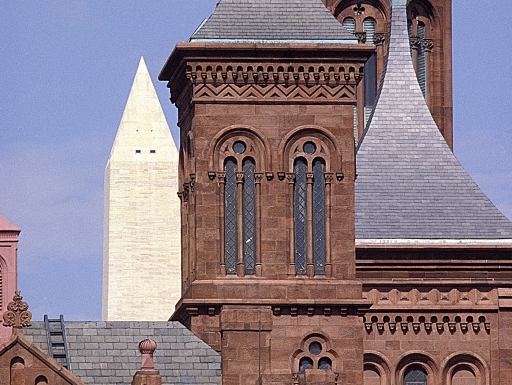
(463, 376)
(305, 363)
(422, 60)
(230, 216)
(309, 208)
(350, 24)
(249, 216)
(300, 216)
(325, 363)
(371, 375)
(319, 216)
(370, 70)
(415, 376)
(369, 26)
(41, 380)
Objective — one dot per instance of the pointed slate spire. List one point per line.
(410, 185)
(272, 21)
(142, 249)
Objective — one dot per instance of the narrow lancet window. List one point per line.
(249, 217)
(230, 217)
(319, 216)
(300, 216)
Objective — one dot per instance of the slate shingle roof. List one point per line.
(272, 21)
(104, 353)
(410, 185)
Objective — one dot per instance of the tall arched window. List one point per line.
(370, 70)
(415, 375)
(309, 210)
(239, 210)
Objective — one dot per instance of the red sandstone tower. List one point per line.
(266, 111)
(8, 268)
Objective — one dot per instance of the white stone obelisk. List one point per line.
(141, 246)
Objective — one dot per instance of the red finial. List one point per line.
(147, 348)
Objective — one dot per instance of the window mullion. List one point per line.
(309, 183)
(240, 270)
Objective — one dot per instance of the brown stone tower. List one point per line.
(430, 38)
(267, 168)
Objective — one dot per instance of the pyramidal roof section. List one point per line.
(143, 125)
(272, 21)
(410, 186)
(5, 225)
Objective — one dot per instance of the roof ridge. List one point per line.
(410, 185)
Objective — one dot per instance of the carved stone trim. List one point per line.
(428, 45)
(379, 38)
(414, 42)
(361, 37)
(17, 314)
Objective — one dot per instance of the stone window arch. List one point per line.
(237, 160)
(376, 369)
(416, 368)
(465, 369)
(315, 353)
(309, 156)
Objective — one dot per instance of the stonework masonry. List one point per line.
(141, 273)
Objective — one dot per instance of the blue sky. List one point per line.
(66, 71)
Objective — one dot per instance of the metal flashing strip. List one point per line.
(277, 41)
(435, 242)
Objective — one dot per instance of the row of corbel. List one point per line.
(286, 76)
(428, 326)
(290, 176)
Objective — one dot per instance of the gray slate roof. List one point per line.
(410, 185)
(272, 21)
(104, 353)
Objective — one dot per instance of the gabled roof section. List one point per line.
(410, 186)
(272, 21)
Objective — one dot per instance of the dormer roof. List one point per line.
(272, 21)
(410, 185)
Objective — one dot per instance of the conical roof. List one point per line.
(5, 225)
(410, 185)
(272, 21)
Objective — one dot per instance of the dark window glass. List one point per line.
(305, 363)
(415, 376)
(325, 363)
(315, 347)
(319, 245)
(300, 216)
(370, 81)
(309, 148)
(422, 62)
(230, 217)
(239, 147)
(249, 214)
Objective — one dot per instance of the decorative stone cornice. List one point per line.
(17, 314)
